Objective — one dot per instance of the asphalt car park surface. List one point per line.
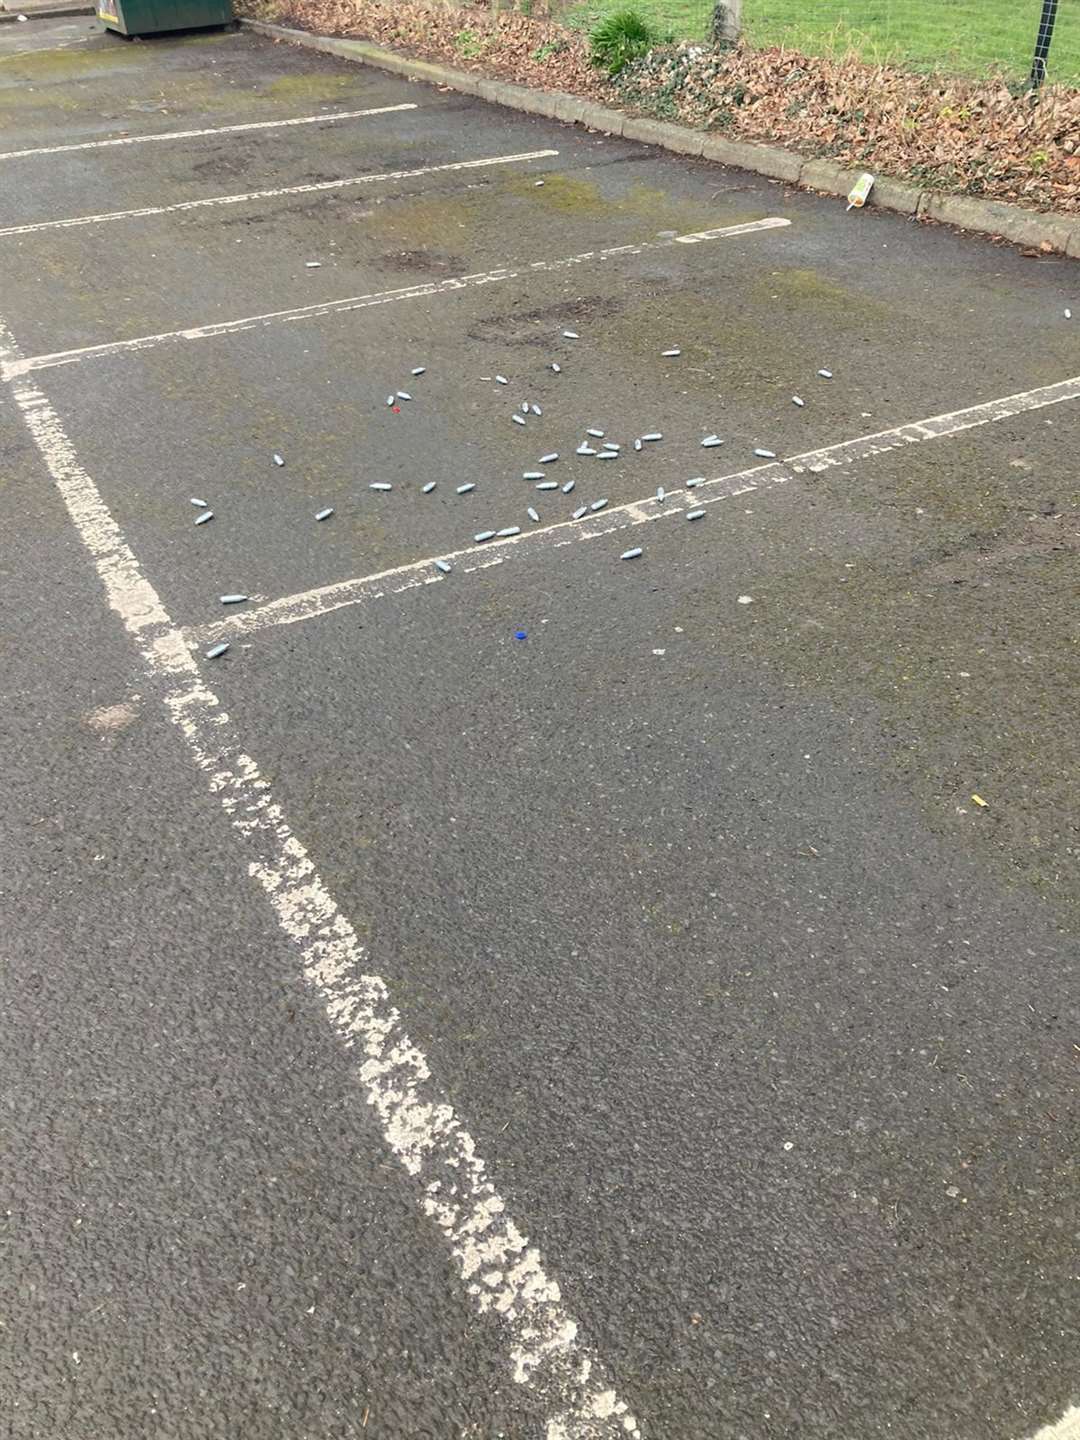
(764, 1027)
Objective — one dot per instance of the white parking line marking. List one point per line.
(249, 195)
(311, 603)
(502, 1273)
(329, 118)
(14, 367)
(1067, 1428)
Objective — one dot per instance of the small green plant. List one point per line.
(548, 49)
(469, 44)
(619, 38)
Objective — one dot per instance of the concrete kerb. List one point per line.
(832, 179)
(771, 160)
(828, 177)
(968, 212)
(534, 102)
(895, 195)
(678, 138)
(575, 111)
(1022, 227)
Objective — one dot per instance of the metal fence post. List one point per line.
(1042, 42)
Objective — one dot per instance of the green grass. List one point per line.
(964, 37)
(619, 38)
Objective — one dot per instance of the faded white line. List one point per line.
(378, 176)
(502, 1273)
(328, 119)
(1067, 1428)
(291, 609)
(12, 368)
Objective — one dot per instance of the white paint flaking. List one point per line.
(12, 368)
(326, 119)
(308, 604)
(247, 196)
(419, 1125)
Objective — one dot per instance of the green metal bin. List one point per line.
(147, 17)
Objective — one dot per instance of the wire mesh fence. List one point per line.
(961, 37)
(958, 36)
